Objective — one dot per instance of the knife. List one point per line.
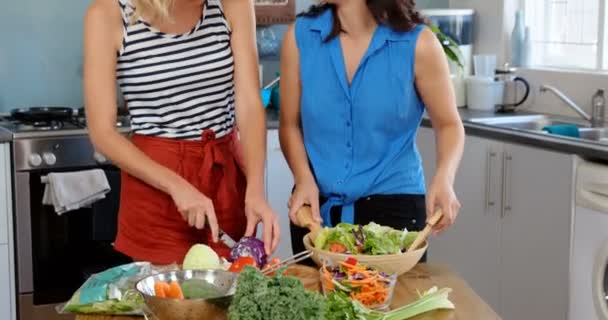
(226, 239)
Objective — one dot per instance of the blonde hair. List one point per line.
(158, 9)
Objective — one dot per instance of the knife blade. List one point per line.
(226, 239)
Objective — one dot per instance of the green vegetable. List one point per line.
(409, 239)
(199, 289)
(378, 240)
(379, 244)
(343, 234)
(321, 239)
(259, 297)
(201, 257)
(130, 303)
(339, 307)
(109, 292)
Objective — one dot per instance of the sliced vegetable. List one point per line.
(273, 262)
(361, 283)
(239, 264)
(339, 307)
(175, 291)
(337, 247)
(351, 261)
(250, 247)
(372, 239)
(321, 239)
(161, 289)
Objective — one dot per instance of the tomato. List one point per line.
(239, 264)
(337, 247)
(273, 262)
(351, 261)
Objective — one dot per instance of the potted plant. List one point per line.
(450, 47)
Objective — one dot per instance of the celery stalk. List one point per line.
(433, 299)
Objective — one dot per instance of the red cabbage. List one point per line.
(250, 247)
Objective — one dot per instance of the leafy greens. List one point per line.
(371, 239)
(259, 297)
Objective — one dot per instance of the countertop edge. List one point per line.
(589, 150)
(5, 136)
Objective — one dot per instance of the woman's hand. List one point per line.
(305, 193)
(258, 210)
(195, 207)
(440, 195)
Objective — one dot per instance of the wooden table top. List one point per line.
(468, 304)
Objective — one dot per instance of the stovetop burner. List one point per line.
(41, 128)
(39, 125)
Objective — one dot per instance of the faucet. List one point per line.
(569, 103)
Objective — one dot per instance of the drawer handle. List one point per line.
(489, 160)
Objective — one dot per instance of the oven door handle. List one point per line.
(23, 220)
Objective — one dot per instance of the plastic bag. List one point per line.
(112, 291)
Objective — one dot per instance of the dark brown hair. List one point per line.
(399, 15)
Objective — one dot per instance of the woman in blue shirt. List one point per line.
(356, 77)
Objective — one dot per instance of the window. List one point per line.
(568, 33)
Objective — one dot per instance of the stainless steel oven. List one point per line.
(57, 253)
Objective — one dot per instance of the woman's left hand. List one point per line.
(258, 210)
(440, 195)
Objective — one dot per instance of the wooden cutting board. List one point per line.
(469, 306)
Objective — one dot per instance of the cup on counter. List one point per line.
(484, 93)
(484, 65)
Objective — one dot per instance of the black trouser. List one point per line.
(396, 211)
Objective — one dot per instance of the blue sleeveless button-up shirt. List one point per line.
(360, 138)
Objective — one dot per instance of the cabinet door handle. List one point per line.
(489, 202)
(506, 184)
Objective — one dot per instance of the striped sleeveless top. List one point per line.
(177, 86)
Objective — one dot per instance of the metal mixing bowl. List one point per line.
(190, 309)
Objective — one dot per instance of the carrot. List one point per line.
(337, 247)
(175, 291)
(161, 289)
(369, 287)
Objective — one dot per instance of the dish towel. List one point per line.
(567, 130)
(68, 191)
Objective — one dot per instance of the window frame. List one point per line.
(601, 65)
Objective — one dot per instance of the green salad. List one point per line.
(372, 239)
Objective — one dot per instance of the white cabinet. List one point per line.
(538, 193)
(6, 294)
(7, 265)
(5, 194)
(472, 245)
(279, 182)
(511, 240)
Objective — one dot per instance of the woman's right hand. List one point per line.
(195, 207)
(305, 193)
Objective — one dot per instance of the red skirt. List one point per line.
(149, 226)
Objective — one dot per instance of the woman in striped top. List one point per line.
(188, 72)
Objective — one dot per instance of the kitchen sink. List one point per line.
(525, 122)
(535, 123)
(594, 134)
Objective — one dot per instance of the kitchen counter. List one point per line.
(586, 149)
(5, 136)
(468, 304)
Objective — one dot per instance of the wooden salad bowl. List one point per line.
(396, 264)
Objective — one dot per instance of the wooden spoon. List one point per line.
(422, 235)
(305, 220)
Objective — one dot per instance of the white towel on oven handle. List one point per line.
(68, 191)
